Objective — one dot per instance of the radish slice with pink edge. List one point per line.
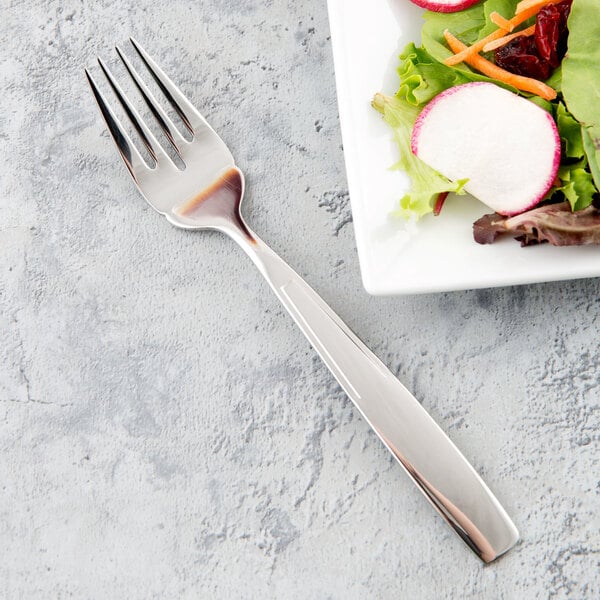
(506, 146)
(445, 6)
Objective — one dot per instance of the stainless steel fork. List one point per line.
(207, 195)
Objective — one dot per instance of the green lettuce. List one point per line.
(576, 185)
(465, 24)
(576, 181)
(422, 77)
(506, 8)
(591, 143)
(570, 133)
(581, 78)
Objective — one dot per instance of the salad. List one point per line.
(502, 100)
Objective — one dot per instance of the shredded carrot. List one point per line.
(498, 19)
(507, 38)
(528, 13)
(527, 4)
(475, 49)
(526, 84)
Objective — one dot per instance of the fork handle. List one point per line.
(433, 462)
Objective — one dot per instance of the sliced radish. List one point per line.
(506, 146)
(445, 6)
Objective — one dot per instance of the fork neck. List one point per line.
(218, 207)
(236, 229)
(273, 268)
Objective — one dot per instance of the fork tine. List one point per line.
(147, 138)
(134, 162)
(168, 127)
(150, 141)
(192, 119)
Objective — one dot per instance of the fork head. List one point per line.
(208, 192)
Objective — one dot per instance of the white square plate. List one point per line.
(438, 253)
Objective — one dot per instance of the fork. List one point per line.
(207, 194)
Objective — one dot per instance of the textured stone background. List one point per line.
(166, 432)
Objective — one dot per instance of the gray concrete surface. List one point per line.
(166, 432)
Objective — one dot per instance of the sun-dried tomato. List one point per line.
(551, 32)
(520, 56)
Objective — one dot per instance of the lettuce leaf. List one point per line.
(465, 24)
(581, 77)
(426, 182)
(422, 77)
(506, 8)
(570, 133)
(555, 79)
(577, 185)
(591, 144)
